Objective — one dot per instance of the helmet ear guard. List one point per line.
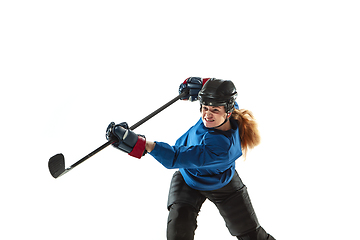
(229, 108)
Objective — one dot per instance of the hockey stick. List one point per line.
(57, 162)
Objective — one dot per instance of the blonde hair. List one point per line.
(248, 129)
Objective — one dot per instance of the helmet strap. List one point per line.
(227, 119)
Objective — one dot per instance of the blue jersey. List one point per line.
(205, 157)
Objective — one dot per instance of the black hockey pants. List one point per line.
(232, 201)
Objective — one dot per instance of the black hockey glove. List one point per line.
(193, 85)
(126, 140)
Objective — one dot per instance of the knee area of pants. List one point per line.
(181, 222)
(184, 214)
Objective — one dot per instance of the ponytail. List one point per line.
(248, 129)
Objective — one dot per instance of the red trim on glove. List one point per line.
(205, 80)
(139, 148)
(186, 80)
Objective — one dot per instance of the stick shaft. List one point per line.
(157, 111)
(108, 143)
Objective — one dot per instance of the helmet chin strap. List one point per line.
(225, 121)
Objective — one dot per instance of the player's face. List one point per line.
(213, 116)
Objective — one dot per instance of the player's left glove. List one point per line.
(126, 140)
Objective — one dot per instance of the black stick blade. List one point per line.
(57, 165)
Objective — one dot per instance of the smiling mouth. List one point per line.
(207, 120)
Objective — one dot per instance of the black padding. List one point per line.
(131, 139)
(238, 213)
(257, 234)
(119, 131)
(182, 222)
(180, 192)
(232, 201)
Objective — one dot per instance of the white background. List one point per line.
(69, 68)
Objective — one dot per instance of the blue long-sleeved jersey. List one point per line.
(205, 157)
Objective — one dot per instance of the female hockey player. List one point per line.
(205, 156)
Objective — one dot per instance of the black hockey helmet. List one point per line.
(218, 92)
